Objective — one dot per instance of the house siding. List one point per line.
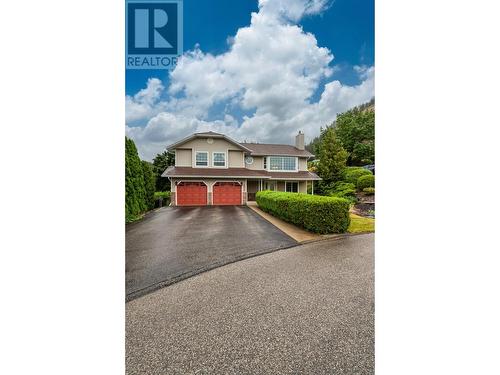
(236, 159)
(233, 153)
(302, 164)
(183, 158)
(258, 163)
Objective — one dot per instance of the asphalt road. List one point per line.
(177, 242)
(304, 310)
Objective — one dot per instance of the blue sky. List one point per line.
(344, 27)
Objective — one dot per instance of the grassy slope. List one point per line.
(361, 224)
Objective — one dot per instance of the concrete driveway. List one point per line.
(304, 310)
(177, 242)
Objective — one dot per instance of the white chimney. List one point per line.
(299, 141)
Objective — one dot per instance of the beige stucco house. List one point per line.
(213, 169)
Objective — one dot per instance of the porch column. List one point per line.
(312, 187)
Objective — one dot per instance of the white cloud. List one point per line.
(145, 103)
(271, 70)
(291, 10)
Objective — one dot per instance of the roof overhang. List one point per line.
(175, 145)
(277, 154)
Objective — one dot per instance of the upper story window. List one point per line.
(201, 158)
(219, 159)
(282, 163)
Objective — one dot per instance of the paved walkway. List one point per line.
(304, 310)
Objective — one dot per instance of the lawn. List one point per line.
(361, 224)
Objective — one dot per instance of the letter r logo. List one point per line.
(152, 28)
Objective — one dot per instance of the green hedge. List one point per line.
(366, 182)
(313, 212)
(162, 194)
(351, 174)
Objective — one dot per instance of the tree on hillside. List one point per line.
(149, 184)
(160, 163)
(332, 158)
(364, 153)
(134, 182)
(314, 145)
(356, 130)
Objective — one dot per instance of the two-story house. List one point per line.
(213, 169)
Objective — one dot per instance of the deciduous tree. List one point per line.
(160, 163)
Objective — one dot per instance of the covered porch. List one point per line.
(292, 186)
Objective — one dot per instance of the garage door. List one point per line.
(227, 193)
(191, 194)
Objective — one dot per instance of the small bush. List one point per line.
(313, 212)
(162, 199)
(162, 194)
(366, 181)
(369, 191)
(351, 174)
(344, 190)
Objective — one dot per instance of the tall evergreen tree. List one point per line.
(160, 163)
(332, 158)
(134, 182)
(149, 184)
(356, 131)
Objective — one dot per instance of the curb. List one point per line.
(152, 288)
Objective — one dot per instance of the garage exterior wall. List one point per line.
(185, 154)
(183, 158)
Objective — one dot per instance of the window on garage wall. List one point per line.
(219, 159)
(202, 159)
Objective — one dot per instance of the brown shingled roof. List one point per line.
(274, 149)
(237, 173)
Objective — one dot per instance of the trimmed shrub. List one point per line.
(316, 213)
(369, 190)
(366, 182)
(344, 190)
(351, 174)
(162, 198)
(162, 194)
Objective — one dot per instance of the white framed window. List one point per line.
(219, 159)
(291, 187)
(282, 163)
(201, 159)
(265, 162)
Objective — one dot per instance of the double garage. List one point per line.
(197, 193)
